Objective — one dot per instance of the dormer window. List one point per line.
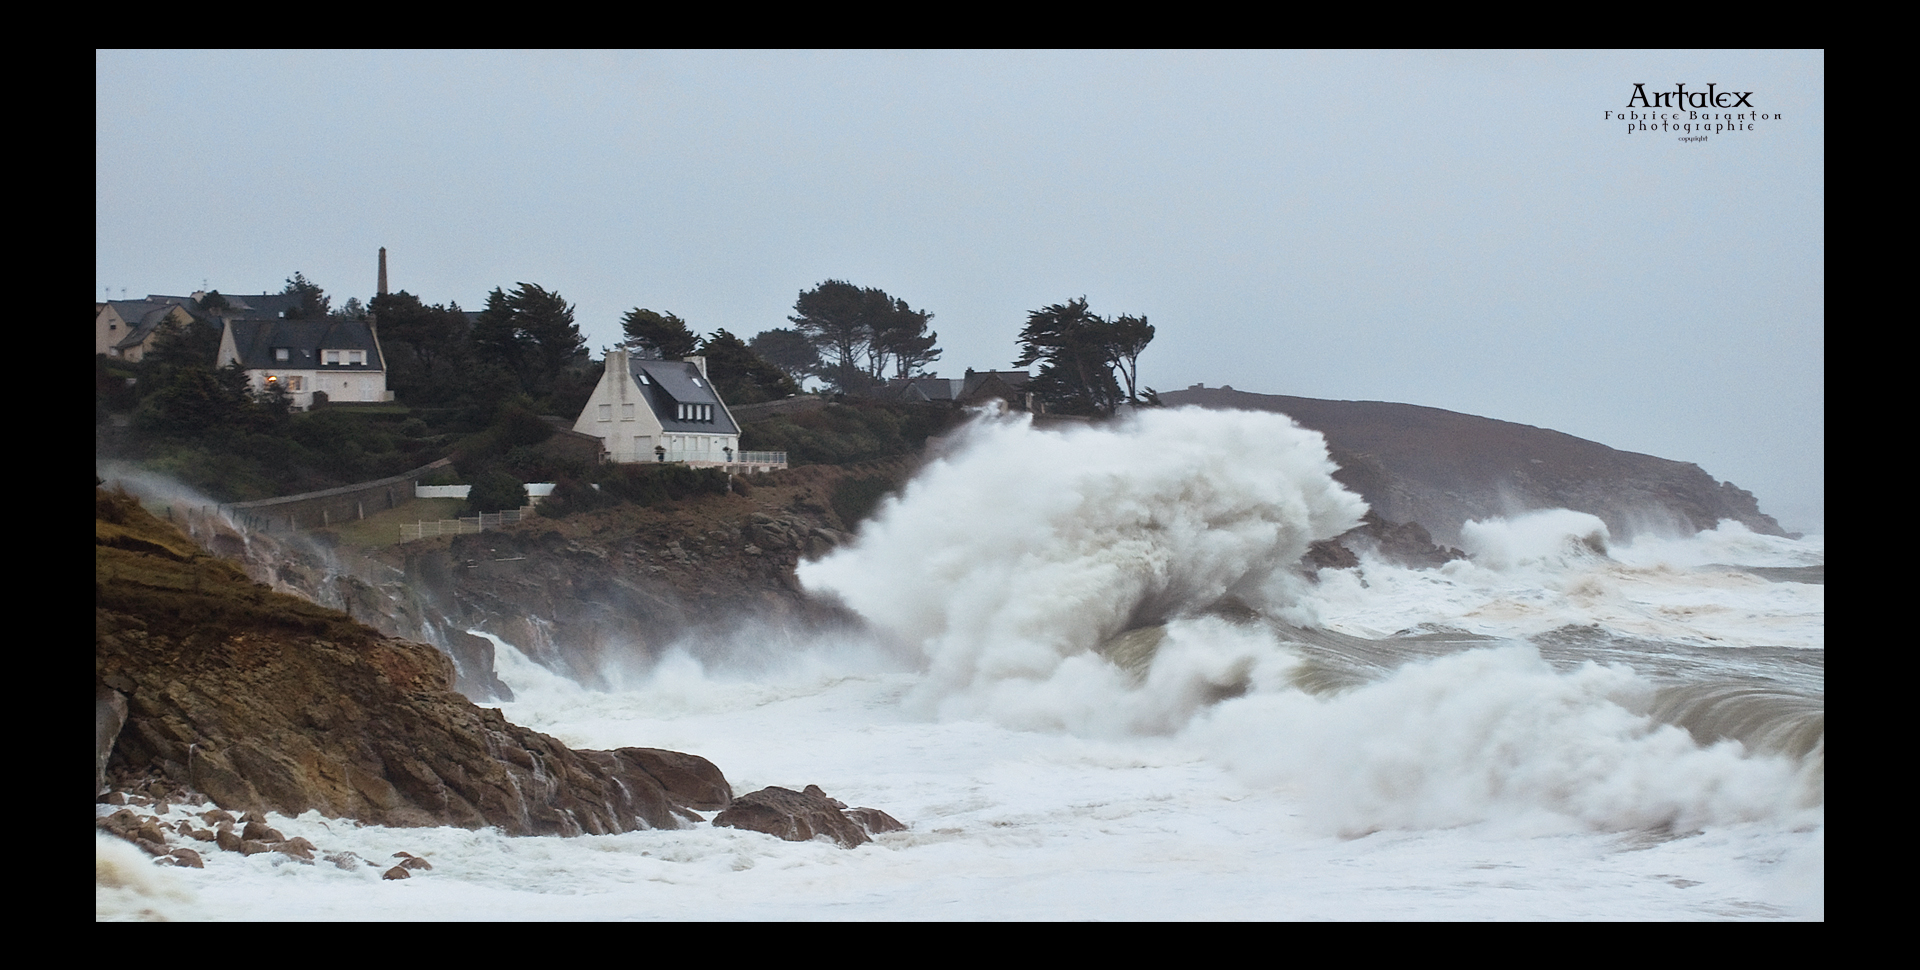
(282, 354)
(333, 357)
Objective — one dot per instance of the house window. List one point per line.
(333, 357)
(626, 412)
(296, 384)
(606, 412)
(356, 356)
(281, 353)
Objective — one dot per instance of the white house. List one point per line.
(340, 358)
(666, 410)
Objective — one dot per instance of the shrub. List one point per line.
(493, 491)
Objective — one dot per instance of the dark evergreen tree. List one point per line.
(532, 332)
(740, 375)
(862, 332)
(659, 336)
(546, 320)
(496, 336)
(1079, 353)
(313, 299)
(789, 350)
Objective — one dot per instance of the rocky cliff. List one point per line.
(207, 680)
(592, 593)
(1441, 468)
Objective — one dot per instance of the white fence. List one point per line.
(462, 526)
(535, 491)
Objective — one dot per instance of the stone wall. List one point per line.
(316, 510)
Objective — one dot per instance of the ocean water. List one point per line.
(1094, 685)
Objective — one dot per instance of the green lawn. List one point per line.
(383, 528)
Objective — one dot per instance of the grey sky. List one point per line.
(1460, 230)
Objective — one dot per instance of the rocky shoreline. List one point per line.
(219, 702)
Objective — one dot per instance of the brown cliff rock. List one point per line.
(267, 702)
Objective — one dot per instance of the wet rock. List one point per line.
(397, 872)
(109, 716)
(796, 816)
(875, 821)
(267, 702)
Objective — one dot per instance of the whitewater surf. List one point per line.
(1095, 683)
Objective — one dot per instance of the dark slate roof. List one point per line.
(142, 317)
(674, 382)
(984, 380)
(921, 389)
(186, 303)
(273, 305)
(254, 342)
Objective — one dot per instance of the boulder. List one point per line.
(799, 816)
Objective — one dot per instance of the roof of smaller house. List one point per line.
(921, 389)
(986, 380)
(275, 305)
(254, 342)
(143, 317)
(187, 303)
(674, 382)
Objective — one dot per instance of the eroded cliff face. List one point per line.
(591, 594)
(263, 700)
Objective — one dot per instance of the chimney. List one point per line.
(382, 291)
(699, 363)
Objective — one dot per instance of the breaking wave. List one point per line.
(1142, 578)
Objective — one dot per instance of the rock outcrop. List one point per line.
(800, 816)
(1441, 468)
(1406, 543)
(265, 701)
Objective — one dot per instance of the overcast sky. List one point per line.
(1469, 231)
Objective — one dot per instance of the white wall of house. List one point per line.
(618, 414)
(339, 385)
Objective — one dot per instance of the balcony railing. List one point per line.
(778, 458)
